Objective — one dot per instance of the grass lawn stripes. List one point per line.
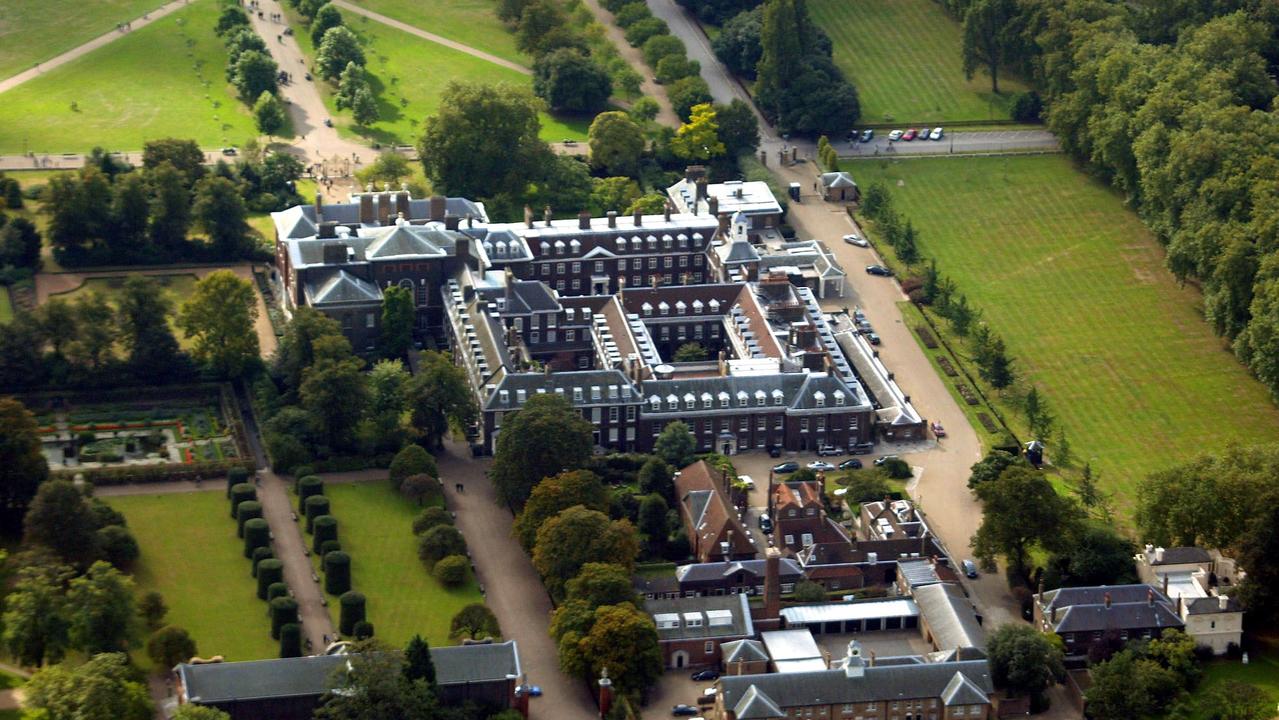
(470, 22)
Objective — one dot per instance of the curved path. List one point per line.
(412, 30)
(104, 39)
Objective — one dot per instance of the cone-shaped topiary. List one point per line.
(363, 630)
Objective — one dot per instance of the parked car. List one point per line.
(938, 430)
(569, 142)
(864, 327)
(684, 711)
(867, 134)
(854, 239)
(775, 451)
(820, 466)
(747, 482)
(858, 315)
(910, 134)
(765, 523)
(936, 134)
(705, 675)
(851, 464)
(894, 136)
(865, 448)
(828, 450)
(230, 151)
(872, 338)
(535, 691)
(923, 133)
(879, 270)
(786, 468)
(883, 459)
(970, 568)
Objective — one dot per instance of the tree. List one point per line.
(545, 437)
(398, 316)
(1038, 417)
(988, 41)
(105, 686)
(617, 143)
(57, 324)
(865, 486)
(698, 139)
(429, 518)
(738, 44)
(117, 546)
(36, 625)
(220, 316)
(675, 445)
(474, 622)
(450, 571)
(738, 127)
(374, 686)
(569, 80)
(440, 397)
(656, 477)
(599, 584)
(268, 114)
(20, 244)
(170, 209)
(650, 204)
(219, 211)
(613, 194)
(644, 110)
(687, 93)
(1024, 660)
(418, 664)
(297, 347)
(409, 461)
(660, 46)
(1129, 686)
(781, 52)
(483, 142)
(1021, 509)
(101, 609)
(555, 494)
(338, 48)
(60, 520)
(190, 711)
(170, 645)
(388, 384)
(641, 31)
(438, 543)
(334, 393)
(254, 73)
(325, 18)
(538, 23)
(992, 466)
(1234, 700)
(653, 520)
(676, 67)
(624, 640)
(22, 464)
(231, 19)
(578, 536)
(1096, 555)
(389, 167)
(1257, 547)
(152, 609)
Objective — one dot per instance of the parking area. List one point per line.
(676, 687)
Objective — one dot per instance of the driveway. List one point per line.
(978, 141)
(513, 590)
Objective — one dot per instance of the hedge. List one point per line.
(234, 477)
(291, 640)
(270, 571)
(245, 512)
(256, 534)
(316, 505)
(352, 612)
(260, 554)
(363, 630)
(329, 546)
(284, 611)
(337, 572)
(307, 487)
(324, 528)
(146, 474)
(277, 589)
(451, 571)
(242, 493)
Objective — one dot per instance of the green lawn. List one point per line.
(470, 22)
(175, 288)
(190, 554)
(375, 526)
(6, 307)
(1076, 286)
(1262, 672)
(34, 31)
(164, 80)
(903, 56)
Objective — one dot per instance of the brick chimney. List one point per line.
(584, 220)
(528, 216)
(639, 217)
(1107, 600)
(546, 215)
(402, 202)
(712, 206)
(612, 218)
(438, 206)
(772, 583)
(666, 211)
(319, 208)
(606, 692)
(366, 209)
(1150, 597)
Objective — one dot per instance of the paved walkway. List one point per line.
(665, 114)
(514, 591)
(66, 57)
(419, 32)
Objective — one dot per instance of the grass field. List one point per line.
(190, 554)
(33, 31)
(1262, 672)
(175, 288)
(150, 83)
(1076, 286)
(903, 56)
(375, 526)
(6, 306)
(470, 22)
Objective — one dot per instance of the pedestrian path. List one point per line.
(412, 30)
(66, 57)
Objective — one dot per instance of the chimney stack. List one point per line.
(712, 206)
(639, 218)
(702, 192)
(666, 211)
(584, 220)
(1041, 585)
(546, 215)
(402, 202)
(1223, 602)
(612, 218)
(1159, 554)
(366, 209)
(724, 219)
(319, 208)
(606, 693)
(1150, 597)
(1107, 600)
(438, 206)
(1054, 617)
(872, 658)
(1165, 584)
(451, 222)
(528, 216)
(772, 583)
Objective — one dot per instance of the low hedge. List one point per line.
(146, 474)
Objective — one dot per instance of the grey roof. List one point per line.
(755, 704)
(1210, 605)
(950, 616)
(741, 251)
(1096, 595)
(341, 287)
(798, 390)
(476, 663)
(1132, 607)
(408, 241)
(846, 611)
(878, 683)
(730, 613)
(565, 383)
(743, 651)
(529, 296)
(962, 691)
(1181, 556)
(793, 644)
(918, 573)
(838, 180)
(709, 572)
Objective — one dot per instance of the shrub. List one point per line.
(438, 543)
(300, 472)
(260, 554)
(308, 486)
(631, 13)
(808, 591)
(330, 546)
(242, 492)
(234, 477)
(363, 630)
(118, 546)
(152, 609)
(687, 92)
(324, 528)
(270, 571)
(676, 67)
(245, 512)
(291, 640)
(277, 589)
(352, 611)
(640, 32)
(417, 488)
(315, 506)
(1027, 107)
(660, 46)
(411, 460)
(429, 518)
(284, 611)
(337, 572)
(256, 534)
(896, 468)
(451, 571)
(169, 646)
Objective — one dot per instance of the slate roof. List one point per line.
(458, 664)
(950, 616)
(564, 383)
(823, 554)
(918, 573)
(740, 251)
(707, 515)
(838, 180)
(1211, 605)
(1096, 595)
(1181, 556)
(1131, 608)
(529, 296)
(408, 241)
(339, 288)
(755, 704)
(788, 570)
(736, 608)
(962, 691)
(798, 392)
(743, 651)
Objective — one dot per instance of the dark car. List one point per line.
(970, 569)
(775, 451)
(867, 135)
(851, 464)
(863, 448)
(684, 711)
(705, 675)
(786, 468)
(879, 270)
(765, 523)
(872, 338)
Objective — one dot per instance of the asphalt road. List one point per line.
(979, 141)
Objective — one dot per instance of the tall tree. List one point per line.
(339, 47)
(184, 155)
(58, 324)
(388, 399)
(20, 243)
(101, 609)
(554, 495)
(698, 139)
(36, 626)
(1020, 509)
(546, 436)
(398, 316)
(268, 114)
(417, 661)
(738, 127)
(781, 52)
(220, 317)
(374, 686)
(327, 16)
(474, 622)
(254, 73)
(22, 464)
(1024, 660)
(60, 520)
(143, 320)
(334, 393)
(297, 348)
(130, 208)
(170, 209)
(623, 639)
(675, 445)
(570, 81)
(988, 41)
(578, 536)
(219, 211)
(440, 398)
(104, 686)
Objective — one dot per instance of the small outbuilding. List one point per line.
(839, 187)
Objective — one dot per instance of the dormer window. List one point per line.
(819, 399)
(742, 398)
(672, 402)
(575, 246)
(656, 402)
(546, 248)
(667, 241)
(723, 399)
(521, 396)
(760, 398)
(706, 401)
(839, 397)
(652, 242)
(714, 305)
(586, 314)
(621, 244)
(637, 243)
(663, 308)
(777, 397)
(683, 240)
(577, 394)
(559, 247)
(648, 309)
(697, 307)
(680, 308)
(504, 397)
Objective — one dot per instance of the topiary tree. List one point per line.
(256, 534)
(330, 546)
(277, 589)
(411, 460)
(451, 571)
(260, 554)
(291, 640)
(242, 492)
(896, 468)
(169, 646)
(315, 506)
(352, 611)
(337, 572)
(438, 543)
(270, 571)
(324, 528)
(234, 477)
(284, 611)
(429, 518)
(363, 630)
(308, 486)
(417, 488)
(245, 512)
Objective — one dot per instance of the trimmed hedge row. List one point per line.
(317, 514)
(146, 474)
(268, 570)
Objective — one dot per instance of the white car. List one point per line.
(854, 239)
(894, 136)
(820, 466)
(746, 481)
(935, 134)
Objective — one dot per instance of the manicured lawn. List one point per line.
(34, 31)
(903, 56)
(375, 526)
(470, 22)
(190, 554)
(1262, 672)
(166, 79)
(175, 288)
(1077, 288)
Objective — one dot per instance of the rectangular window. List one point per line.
(821, 424)
(697, 260)
(550, 336)
(612, 414)
(630, 412)
(370, 320)
(599, 266)
(546, 269)
(577, 284)
(683, 261)
(803, 425)
(559, 268)
(595, 415)
(570, 335)
(535, 337)
(668, 261)
(635, 280)
(621, 264)
(710, 646)
(697, 331)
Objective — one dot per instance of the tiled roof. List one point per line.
(950, 616)
(341, 287)
(707, 511)
(1181, 556)
(743, 651)
(877, 684)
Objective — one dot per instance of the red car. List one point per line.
(938, 430)
(911, 134)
